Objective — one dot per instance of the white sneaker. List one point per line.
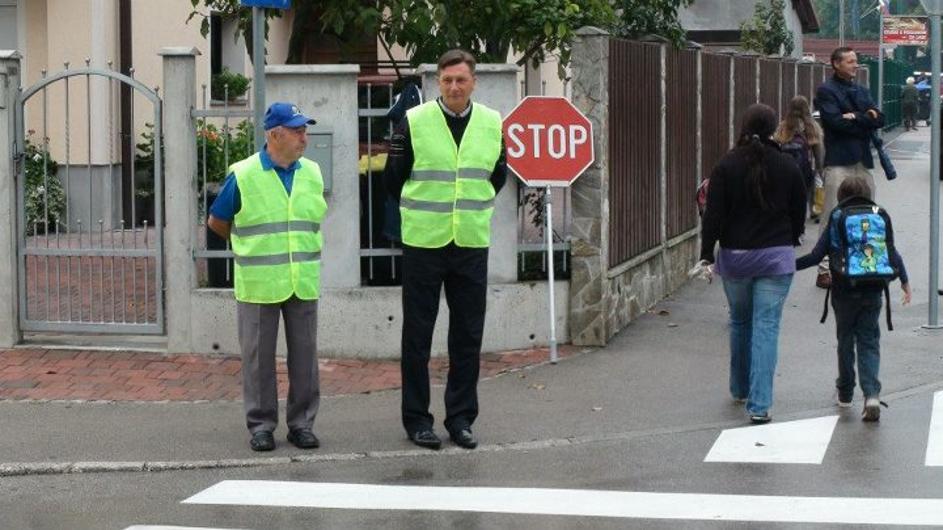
(840, 403)
(872, 409)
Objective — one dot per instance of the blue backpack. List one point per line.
(861, 245)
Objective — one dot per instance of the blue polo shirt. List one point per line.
(229, 202)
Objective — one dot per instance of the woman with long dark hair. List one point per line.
(756, 210)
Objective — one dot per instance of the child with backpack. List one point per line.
(800, 137)
(859, 241)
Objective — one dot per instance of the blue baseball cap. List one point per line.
(285, 114)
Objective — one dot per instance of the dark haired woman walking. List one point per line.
(756, 210)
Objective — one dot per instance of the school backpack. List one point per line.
(861, 245)
(798, 149)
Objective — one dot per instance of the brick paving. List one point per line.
(36, 374)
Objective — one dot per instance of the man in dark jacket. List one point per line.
(849, 118)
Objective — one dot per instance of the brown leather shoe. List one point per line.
(823, 280)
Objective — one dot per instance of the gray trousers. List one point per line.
(258, 334)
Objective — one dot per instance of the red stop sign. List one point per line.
(549, 142)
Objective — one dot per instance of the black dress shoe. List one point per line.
(464, 438)
(303, 439)
(262, 441)
(426, 438)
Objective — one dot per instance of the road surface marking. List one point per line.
(791, 442)
(569, 502)
(935, 440)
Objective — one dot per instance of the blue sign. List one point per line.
(273, 4)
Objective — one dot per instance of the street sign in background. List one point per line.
(905, 31)
(273, 4)
(549, 141)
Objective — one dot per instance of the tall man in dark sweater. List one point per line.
(446, 164)
(849, 119)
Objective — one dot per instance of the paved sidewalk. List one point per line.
(36, 374)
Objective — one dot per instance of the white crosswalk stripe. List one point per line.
(791, 442)
(935, 438)
(569, 502)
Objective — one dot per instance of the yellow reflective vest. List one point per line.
(276, 237)
(448, 196)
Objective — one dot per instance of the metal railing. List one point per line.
(219, 143)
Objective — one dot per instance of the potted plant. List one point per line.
(229, 86)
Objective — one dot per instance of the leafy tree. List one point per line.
(491, 28)
(766, 32)
(651, 17)
(828, 14)
(426, 28)
(488, 28)
(229, 9)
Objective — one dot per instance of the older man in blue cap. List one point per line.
(271, 207)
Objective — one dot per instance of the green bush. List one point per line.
(144, 164)
(237, 84)
(45, 197)
(240, 145)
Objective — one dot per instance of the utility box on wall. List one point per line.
(320, 146)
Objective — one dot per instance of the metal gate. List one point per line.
(89, 259)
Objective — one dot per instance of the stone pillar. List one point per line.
(180, 172)
(328, 93)
(9, 278)
(590, 193)
(497, 88)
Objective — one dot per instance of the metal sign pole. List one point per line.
(881, 59)
(933, 307)
(550, 287)
(258, 67)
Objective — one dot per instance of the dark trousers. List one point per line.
(464, 273)
(857, 322)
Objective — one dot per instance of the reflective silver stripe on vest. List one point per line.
(467, 204)
(276, 259)
(472, 173)
(426, 206)
(432, 175)
(275, 228)
(305, 256)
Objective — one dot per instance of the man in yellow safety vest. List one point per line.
(271, 207)
(446, 165)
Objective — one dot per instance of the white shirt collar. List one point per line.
(448, 112)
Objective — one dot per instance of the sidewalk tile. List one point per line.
(131, 376)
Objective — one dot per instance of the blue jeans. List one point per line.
(756, 307)
(857, 323)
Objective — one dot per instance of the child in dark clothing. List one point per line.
(857, 312)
